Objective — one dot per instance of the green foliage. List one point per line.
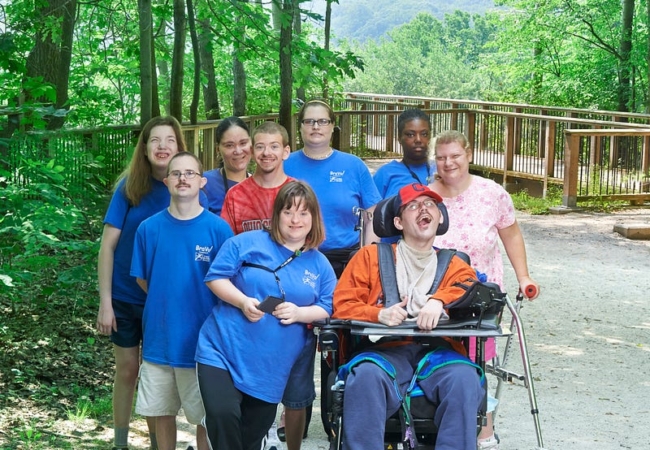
(427, 57)
(362, 20)
(566, 53)
(537, 205)
(41, 227)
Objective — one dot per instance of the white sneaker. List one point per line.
(491, 443)
(271, 441)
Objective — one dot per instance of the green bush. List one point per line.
(536, 205)
(48, 238)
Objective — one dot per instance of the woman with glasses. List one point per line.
(139, 193)
(481, 213)
(248, 345)
(344, 188)
(342, 182)
(234, 146)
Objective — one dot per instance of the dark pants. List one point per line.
(370, 399)
(233, 420)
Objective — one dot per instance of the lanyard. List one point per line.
(293, 256)
(415, 175)
(224, 178)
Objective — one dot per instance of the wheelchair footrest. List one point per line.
(504, 374)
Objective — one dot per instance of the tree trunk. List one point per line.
(238, 71)
(538, 76)
(239, 85)
(155, 103)
(286, 73)
(50, 59)
(297, 27)
(625, 51)
(196, 91)
(328, 26)
(176, 86)
(146, 61)
(647, 108)
(210, 95)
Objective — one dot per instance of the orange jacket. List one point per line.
(358, 294)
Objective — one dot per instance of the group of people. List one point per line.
(217, 275)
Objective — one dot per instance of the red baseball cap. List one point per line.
(412, 191)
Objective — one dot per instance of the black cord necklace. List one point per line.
(224, 178)
(415, 175)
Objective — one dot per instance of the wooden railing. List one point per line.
(592, 154)
(520, 142)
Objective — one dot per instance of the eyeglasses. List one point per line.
(414, 206)
(176, 174)
(312, 122)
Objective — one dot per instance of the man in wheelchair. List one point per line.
(379, 377)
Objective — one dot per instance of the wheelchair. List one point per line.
(339, 340)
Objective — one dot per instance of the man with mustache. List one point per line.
(172, 253)
(454, 387)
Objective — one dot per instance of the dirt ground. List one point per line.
(588, 338)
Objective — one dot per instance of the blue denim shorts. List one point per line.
(128, 317)
(300, 391)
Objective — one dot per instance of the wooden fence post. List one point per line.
(390, 130)
(346, 132)
(571, 168)
(454, 117)
(509, 151)
(209, 148)
(471, 128)
(541, 137)
(483, 138)
(549, 154)
(517, 129)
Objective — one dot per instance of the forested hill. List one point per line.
(369, 19)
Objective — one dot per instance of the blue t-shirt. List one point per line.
(260, 355)
(173, 256)
(125, 217)
(215, 190)
(343, 185)
(394, 175)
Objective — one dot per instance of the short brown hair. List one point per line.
(189, 155)
(272, 128)
(293, 193)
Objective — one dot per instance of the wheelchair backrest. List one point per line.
(385, 211)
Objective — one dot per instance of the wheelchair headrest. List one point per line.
(386, 210)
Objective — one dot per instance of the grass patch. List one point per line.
(536, 205)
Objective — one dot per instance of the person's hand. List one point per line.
(249, 308)
(529, 288)
(394, 315)
(287, 312)
(430, 314)
(106, 322)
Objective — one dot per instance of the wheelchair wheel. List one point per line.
(327, 376)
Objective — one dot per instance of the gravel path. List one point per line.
(588, 338)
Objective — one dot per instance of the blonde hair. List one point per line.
(138, 173)
(450, 137)
(295, 193)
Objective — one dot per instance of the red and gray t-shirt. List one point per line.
(248, 206)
